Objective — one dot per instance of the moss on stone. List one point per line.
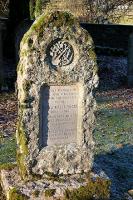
(32, 4)
(22, 151)
(50, 192)
(27, 99)
(7, 166)
(2, 195)
(22, 142)
(22, 166)
(36, 193)
(21, 138)
(93, 57)
(92, 54)
(14, 194)
(24, 53)
(95, 189)
(52, 19)
(95, 69)
(21, 156)
(38, 7)
(54, 177)
(18, 67)
(50, 174)
(81, 180)
(27, 86)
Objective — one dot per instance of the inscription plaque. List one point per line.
(59, 115)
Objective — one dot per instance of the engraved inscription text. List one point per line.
(60, 115)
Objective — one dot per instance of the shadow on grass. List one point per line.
(118, 166)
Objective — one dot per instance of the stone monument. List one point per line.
(57, 73)
(56, 76)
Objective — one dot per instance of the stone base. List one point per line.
(50, 188)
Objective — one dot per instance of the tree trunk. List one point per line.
(1, 59)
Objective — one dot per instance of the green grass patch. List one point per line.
(8, 151)
(113, 127)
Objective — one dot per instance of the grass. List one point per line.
(114, 144)
(7, 151)
(114, 128)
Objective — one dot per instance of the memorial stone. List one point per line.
(57, 73)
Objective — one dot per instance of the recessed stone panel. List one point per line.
(59, 115)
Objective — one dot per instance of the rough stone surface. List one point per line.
(130, 192)
(36, 189)
(56, 51)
